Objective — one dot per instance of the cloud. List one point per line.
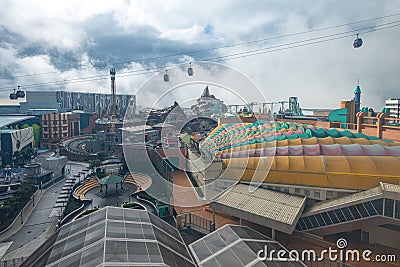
(74, 39)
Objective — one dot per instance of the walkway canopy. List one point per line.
(277, 210)
(111, 179)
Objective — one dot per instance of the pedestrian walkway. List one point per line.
(16, 224)
(63, 197)
(29, 236)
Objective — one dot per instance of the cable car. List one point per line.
(20, 93)
(190, 70)
(166, 76)
(357, 42)
(13, 96)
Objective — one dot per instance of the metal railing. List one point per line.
(190, 220)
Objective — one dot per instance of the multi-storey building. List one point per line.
(57, 126)
(393, 105)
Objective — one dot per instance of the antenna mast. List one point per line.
(113, 100)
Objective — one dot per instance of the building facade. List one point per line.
(55, 127)
(64, 101)
(393, 105)
(12, 140)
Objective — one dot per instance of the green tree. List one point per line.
(17, 157)
(26, 154)
(5, 157)
(101, 155)
(36, 134)
(94, 163)
(14, 205)
(24, 126)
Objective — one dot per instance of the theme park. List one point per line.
(201, 150)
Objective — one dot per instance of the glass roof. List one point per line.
(7, 120)
(234, 245)
(119, 237)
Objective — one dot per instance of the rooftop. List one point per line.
(352, 199)
(111, 179)
(233, 245)
(119, 237)
(7, 120)
(264, 206)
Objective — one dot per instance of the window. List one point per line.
(55, 122)
(64, 121)
(44, 122)
(340, 215)
(389, 203)
(297, 190)
(306, 192)
(333, 216)
(45, 136)
(378, 205)
(371, 210)
(320, 219)
(302, 224)
(54, 128)
(354, 212)
(317, 194)
(362, 210)
(45, 129)
(327, 219)
(65, 127)
(314, 221)
(329, 194)
(347, 213)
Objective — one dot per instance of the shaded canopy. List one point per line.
(111, 179)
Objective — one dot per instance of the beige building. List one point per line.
(57, 126)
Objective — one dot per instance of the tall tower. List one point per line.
(357, 97)
(113, 100)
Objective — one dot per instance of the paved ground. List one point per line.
(113, 198)
(39, 221)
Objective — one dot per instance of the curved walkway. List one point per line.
(149, 207)
(75, 145)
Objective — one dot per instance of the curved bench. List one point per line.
(85, 187)
(141, 181)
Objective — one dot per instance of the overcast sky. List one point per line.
(75, 39)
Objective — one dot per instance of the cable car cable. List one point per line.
(215, 59)
(220, 47)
